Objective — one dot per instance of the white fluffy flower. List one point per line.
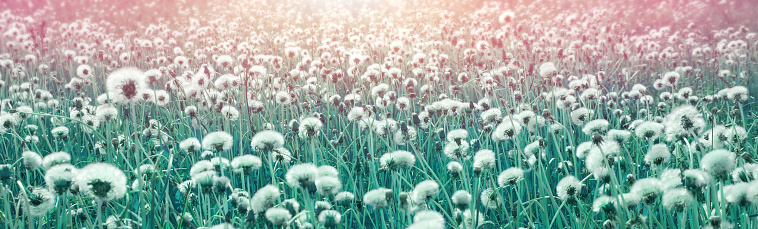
(102, 181)
(267, 140)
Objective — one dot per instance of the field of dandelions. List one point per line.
(343, 114)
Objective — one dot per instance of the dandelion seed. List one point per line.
(125, 83)
(218, 141)
(246, 164)
(309, 127)
(328, 185)
(648, 189)
(719, 163)
(32, 160)
(657, 155)
(595, 126)
(302, 176)
(103, 181)
(569, 188)
(190, 145)
(278, 216)
(491, 199)
(682, 121)
(329, 218)
(605, 204)
(456, 151)
(510, 176)
(377, 198)
(344, 199)
(267, 140)
(484, 160)
(55, 159)
(264, 198)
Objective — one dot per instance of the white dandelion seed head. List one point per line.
(328, 185)
(246, 163)
(510, 176)
(461, 198)
(218, 141)
(399, 159)
(456, 151)
(657, 155)
(278, 216)
(377, 198)
(302, 175)
(491, 199)
(683, 121)
(53, 159)
(267, 140)
(718, 162)
(484, 159)
(424, 191)
(568, 187)
(264, 198)
(32, 160)
(102, 181)
(39, 201)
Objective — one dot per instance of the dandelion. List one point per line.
(491, 199)
(218, 141)
(484, 160)
(677, 199)
(510, 176)
(59, 178)
(223, 226)
(682, 121)
(246, 164)
(507, 129)
(230, 113)
(428, 219)
(355, 114)
(737, 93)
(55, 159)
(595, 126)
(281, 155)
(278, 216)
(605, 204)
(344, 199)
(329, 218)
(648, 189)
(471, 220)
(657, 155)
(32, 160)
(377, 198)
(190, 145)
(671, 178)
(309, 127)
(649, 130)
(569, 188)
(125, 84)
(456, 151)
(302, 176)
(102, 181)
(719, 163)
(328, 185)
(60, 132)
(399, 159)
(264, 198)
(454, 168)
(737, 193)
(39, 201)
(580, 116)
(267, 140)
(424, 191)
(457, 136)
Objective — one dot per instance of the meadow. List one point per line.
(424, 114)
